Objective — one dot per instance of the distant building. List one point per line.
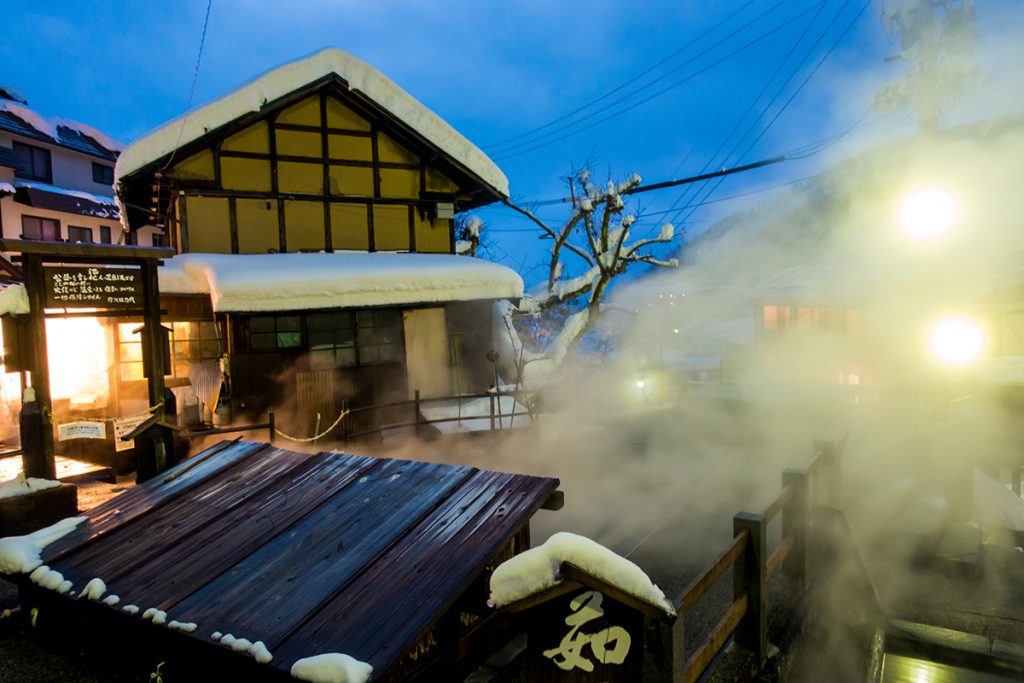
(312, 210)
(56, 178)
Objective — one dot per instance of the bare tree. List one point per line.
(597, 235)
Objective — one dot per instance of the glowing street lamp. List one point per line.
(928, 214)
(957, 340)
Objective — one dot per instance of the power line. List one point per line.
(753, 102)
(553, 136)
(796, 92)
(616, 89)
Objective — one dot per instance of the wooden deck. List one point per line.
(384, 560)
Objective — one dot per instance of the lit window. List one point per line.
(193, 342)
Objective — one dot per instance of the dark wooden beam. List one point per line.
(82, 252)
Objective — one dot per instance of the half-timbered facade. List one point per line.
(306, 174)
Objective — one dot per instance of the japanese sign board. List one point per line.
(81, 430)
(585, 636)
(90, 287)
(124, 425)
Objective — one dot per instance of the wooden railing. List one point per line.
(753, 567)
(496, 418)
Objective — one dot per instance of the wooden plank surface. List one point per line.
(146, 497)
(203, 556)
(381, 614)
(266, 594)
(149, 538)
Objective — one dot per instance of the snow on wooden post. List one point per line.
(750, 576)
(794, 522)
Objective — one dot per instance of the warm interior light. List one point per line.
(640, 384)
(957, 340)
(77, 351)
(928, 213)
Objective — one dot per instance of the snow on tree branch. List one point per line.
(598, 232)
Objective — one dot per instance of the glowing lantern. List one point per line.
(957, 340)
(928, 214)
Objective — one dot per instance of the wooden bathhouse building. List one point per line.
(311, 211)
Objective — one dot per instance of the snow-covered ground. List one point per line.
(509, 414)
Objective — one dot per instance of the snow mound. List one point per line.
(111, 600)
(537, 570)
(276, 83)
(183, 626)
(14, 300)
(23, 553)
(21, 484)
(130, 609)
(261, 653)
(275, 282)
(331, 667)
(94, 590)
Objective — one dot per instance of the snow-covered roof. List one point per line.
(278, 82)
(21, 120)
(288, 282)
(45, 196)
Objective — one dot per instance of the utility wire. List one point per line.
(553, 136)
(789, 101)
(684, 196)
(637, 77)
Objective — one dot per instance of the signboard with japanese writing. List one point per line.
(81, 430)
(585, 637)
(90, 287)
(122, 426)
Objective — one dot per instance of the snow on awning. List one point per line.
(276, 83)
(292, 282)
(53, 198)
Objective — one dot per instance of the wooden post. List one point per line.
(750, 576)
(42, 461)
(33, 424)
(416, 411)
(829, 484)
(794, 523)
(153, 367)
(492, 412)
(271, 426)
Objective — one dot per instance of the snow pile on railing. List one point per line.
(21, 484)
(538, 569)
(24, 553)
(331, 667)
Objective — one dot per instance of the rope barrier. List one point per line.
(61, 416)
(312, 438)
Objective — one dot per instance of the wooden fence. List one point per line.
(753, 566)
(495, 417)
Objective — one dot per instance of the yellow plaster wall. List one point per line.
(245, 174)
(255, 138)
(439, 182)
(349, 227)
(390, 228)
(432, 235)
(389, 150)
(209, 224)
(306, 112)
(399, 182)
(352, 180)
(299, 143)
(304, 225)
(298, 177)
(257, 226)
(199, 166)
(340, 116)
(349, 147)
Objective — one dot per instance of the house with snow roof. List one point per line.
(56, 178)
(312, 211)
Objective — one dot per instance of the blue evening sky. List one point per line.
(694, 85)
